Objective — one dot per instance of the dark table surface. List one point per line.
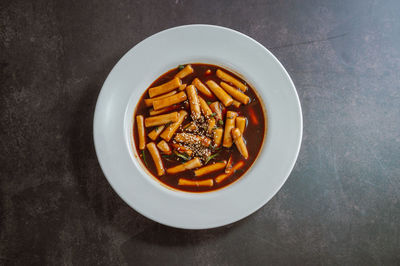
(340, 205)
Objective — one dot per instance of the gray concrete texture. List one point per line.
(340, 205)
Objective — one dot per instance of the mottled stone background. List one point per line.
(340, 205)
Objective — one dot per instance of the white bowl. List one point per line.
(151, 58)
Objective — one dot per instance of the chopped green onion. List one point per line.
(144, 158)
(211, 157)
(221, 122)
(181, 155)
(213, 114)
(208, 102)
(180, 67)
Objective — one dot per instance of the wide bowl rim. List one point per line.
(250, 209)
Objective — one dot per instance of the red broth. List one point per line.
(253, 135)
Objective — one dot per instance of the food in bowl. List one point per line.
(199, 128)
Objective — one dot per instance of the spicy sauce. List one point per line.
(253, 135)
